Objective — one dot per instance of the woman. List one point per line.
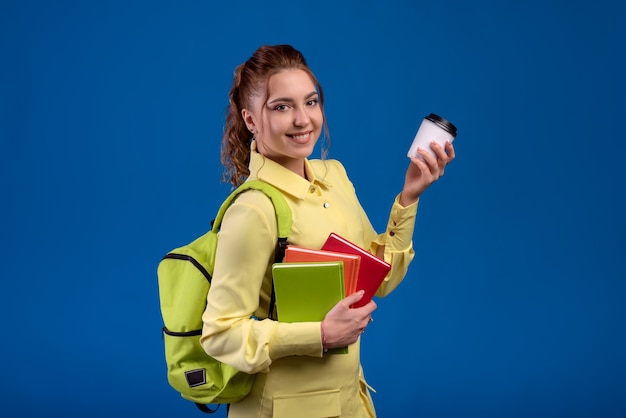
(274, 120)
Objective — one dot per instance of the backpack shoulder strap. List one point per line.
(283, 220)
(282, 209)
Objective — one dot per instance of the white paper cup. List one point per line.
(433, 128)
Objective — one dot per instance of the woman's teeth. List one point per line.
(300, 137)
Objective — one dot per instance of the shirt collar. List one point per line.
(271, 172)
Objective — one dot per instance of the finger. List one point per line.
(365, 311)
(366, 322)
(433, 167)
(353, 298)
(442, 156)
(429, 159)
(450, 150)
(439, 150)
(421, 165)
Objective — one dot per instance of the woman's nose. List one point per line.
(301, 117)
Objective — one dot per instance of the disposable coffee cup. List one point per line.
(433, 128)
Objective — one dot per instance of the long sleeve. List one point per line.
(241, 288)
(398, 243)
(397, 238)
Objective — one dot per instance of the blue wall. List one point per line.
(110, 119)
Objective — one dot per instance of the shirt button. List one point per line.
(326, 205)
(391, 233)
(312, 189)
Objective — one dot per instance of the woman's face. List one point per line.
(288, 125)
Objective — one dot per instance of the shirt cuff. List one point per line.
(398, 235)
(296, 339)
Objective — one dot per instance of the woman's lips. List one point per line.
(301, 138)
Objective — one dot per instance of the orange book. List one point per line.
(351, 262)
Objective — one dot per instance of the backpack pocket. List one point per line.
(199, 377)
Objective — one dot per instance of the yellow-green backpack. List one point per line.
(184, 278)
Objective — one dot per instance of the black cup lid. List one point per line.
(442, 123)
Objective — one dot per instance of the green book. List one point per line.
(306, 291)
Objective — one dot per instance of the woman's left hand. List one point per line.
(421, 174)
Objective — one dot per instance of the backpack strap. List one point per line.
(204, 408)
(283, 212)
(283, 220)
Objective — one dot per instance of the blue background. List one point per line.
(110, 119)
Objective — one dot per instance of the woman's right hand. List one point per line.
(343, 325)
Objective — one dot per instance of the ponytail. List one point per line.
(236, 140)
(250, 80)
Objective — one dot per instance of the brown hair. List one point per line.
(250, 80)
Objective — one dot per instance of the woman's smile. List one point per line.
(301, 138)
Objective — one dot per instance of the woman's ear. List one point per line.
(248, 118)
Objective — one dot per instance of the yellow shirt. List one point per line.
(294, 377)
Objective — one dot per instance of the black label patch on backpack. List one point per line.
(196, 377)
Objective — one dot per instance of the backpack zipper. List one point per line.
(184, 257)
(182, 334)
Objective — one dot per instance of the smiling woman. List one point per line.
(287, 127)
(249, 97)
(274, 120)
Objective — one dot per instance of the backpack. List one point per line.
(184, 279)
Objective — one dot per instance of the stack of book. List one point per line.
(310, 282)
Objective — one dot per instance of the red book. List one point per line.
(372, 270)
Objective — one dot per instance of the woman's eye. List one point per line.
(312, 102)
(280, 108)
